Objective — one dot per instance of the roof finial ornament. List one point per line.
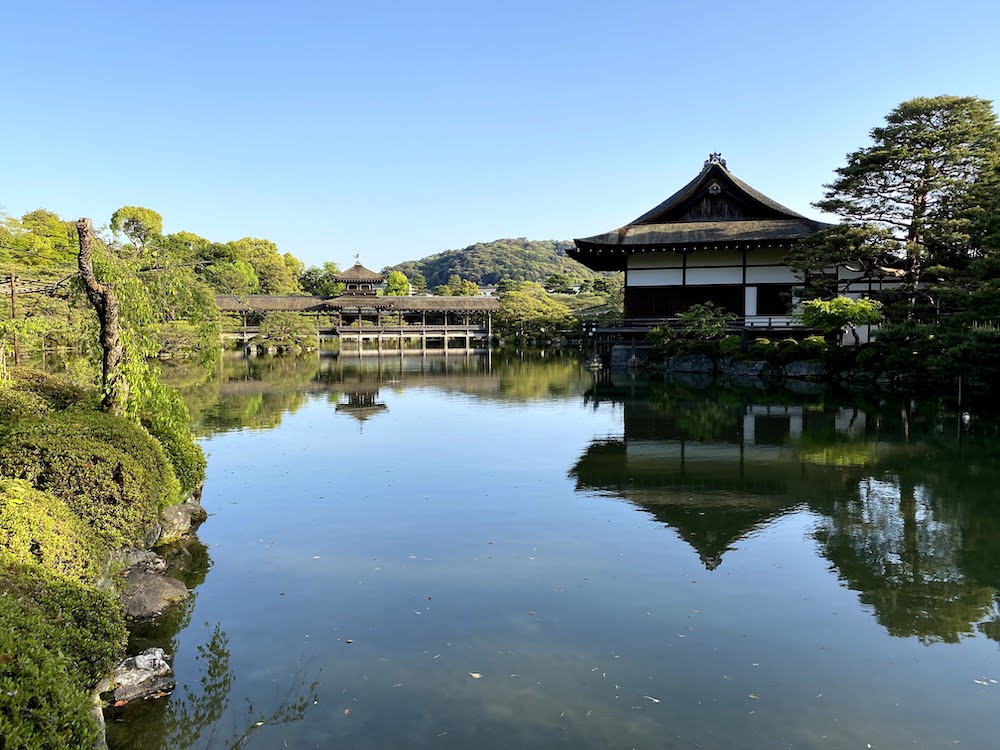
(357, 259)
(715, 158)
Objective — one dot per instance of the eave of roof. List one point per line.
(358, 272)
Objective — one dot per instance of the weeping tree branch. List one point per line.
(105, 303)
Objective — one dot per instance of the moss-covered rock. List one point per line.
(36, 527)
(110, 472)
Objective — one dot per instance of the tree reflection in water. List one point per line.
(905, 491)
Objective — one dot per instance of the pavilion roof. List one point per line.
(358, 272)
(715, 210)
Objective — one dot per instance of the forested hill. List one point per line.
(486, 263)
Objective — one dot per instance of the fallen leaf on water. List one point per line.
(651, 698)
(347, 712)
(348, 641)
(475, 675)
(754, 696)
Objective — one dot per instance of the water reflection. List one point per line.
(906, 492)
(256, 393)
(625, 563)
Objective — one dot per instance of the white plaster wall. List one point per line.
(750, 300)
(660, 277)
(766, 257)
(771, 275)
(699, 276)
(709, 258)
(655, 260)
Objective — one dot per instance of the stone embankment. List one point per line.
(147, 591)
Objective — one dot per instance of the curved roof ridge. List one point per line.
(358, 272)
(714, 166)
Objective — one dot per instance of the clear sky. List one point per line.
(398, 129)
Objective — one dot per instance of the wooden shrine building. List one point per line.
(715, 240)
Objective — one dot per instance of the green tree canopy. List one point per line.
(833, 315)
(528, 311)
(140, 225)
(916, 181)
(320, 281)
(396, 284)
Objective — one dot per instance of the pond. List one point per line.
(514, 552)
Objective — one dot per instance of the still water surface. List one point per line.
(506, 553)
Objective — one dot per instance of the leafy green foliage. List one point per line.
(57, 636)
(287, 330)
(704, 321)
(917, 181)
(276, 274)
(833, 315)
(39, 240)
(320, 281)
(529, 312)
(109, 471)
(38, 528)
(457, 287)
(397, 285)
(140, 225)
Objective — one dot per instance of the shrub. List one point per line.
(16, 404)
(82, 623)
(56, 636)
(55, 392)
(869, 358)
(110, 472)
(660, 340)
(764, 349)
(39, 706)
(788, 351)
(38, 528)
(731, 346)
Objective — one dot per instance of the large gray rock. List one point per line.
(145, 675)
(690, 363)
(807, 371)
(178, 520)
(736, 368)
(148, 593)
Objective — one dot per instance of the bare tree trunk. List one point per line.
(102, 297)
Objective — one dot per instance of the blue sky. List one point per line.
(399, 129)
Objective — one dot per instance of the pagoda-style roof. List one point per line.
(715, 211)
(358, 273)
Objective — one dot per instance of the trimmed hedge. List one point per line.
(38, 528)
(110, 472)
(57, 635)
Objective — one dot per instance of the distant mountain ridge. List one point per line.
(486, 263)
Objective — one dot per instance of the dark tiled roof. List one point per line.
(705, 232)
(358, 272)
(714, 211)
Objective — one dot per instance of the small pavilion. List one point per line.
(359, 281)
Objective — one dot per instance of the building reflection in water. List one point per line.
(905, 501)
